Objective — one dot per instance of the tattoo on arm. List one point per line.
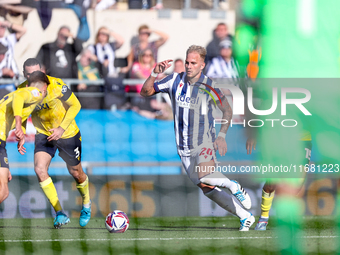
(148, 89)
(227, 114)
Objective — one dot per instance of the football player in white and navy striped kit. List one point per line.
(193, 98)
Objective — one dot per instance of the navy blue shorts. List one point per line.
(3, 154)
(69, 149)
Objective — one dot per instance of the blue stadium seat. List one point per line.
(167, 151)
(144, 151)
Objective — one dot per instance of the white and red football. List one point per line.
(117, 222)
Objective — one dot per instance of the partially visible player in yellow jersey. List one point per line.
(56, 129)
(268, 190)
(15, 108)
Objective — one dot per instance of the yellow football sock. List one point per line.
(266, 204)
(83, 189)
(51, 193)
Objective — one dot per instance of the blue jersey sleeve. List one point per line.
(165, 84)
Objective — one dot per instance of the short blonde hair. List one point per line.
(198, 49)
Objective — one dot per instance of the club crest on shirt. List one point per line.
(35, 92)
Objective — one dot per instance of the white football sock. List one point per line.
(227, 202)
(219, 179)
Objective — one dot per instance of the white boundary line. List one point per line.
(157, 239)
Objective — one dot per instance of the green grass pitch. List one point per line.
(167, 235)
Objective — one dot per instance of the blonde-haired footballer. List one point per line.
(196, 138)
(15, 108)
(56, 129)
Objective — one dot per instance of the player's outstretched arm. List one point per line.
(220, 144)
(148, 89)
(19, 133)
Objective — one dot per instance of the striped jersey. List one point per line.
(219, 68)
(192, 106)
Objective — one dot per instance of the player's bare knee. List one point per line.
(77, 173)
(41, 172)
(74, 172)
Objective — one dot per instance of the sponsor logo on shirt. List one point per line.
(42, 107)
(187, 102)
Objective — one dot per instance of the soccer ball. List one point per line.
(117, 222)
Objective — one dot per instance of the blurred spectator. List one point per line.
(141, 69)
(143, 42)
(100, 5)
(87, 70)
(115, 96)
(179, 66)
(139, 4)
(80, 9)
(59, 58)
(158, 6)
(104, 50)
(8, 70)
(16, 32)
(220, 33)
(223, 66)
(159, 110)
(45, 8)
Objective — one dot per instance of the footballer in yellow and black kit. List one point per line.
(58, 109)
(17, 103)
